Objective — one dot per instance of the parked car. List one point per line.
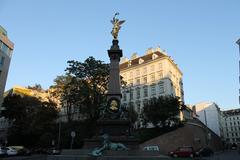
(183, 152)
(204, 152)
(11, 151)
(21, 150)
(3, 151)
(53, 151)
(151, 148)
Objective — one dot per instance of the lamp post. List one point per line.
(59, 132)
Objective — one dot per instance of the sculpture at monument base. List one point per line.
(107, 145)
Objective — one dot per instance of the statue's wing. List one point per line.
(112, 21)
(121, 22)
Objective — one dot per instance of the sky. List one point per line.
(200, 35)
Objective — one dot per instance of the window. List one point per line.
(160, 74)
(153, 89)
(152, 68)
(170, 75)
(131, 74)
(138, 81)
(2, 61)
(140, 61)
(124, 96)
(5, 48)
(161, 87)
(154, 56)
(131, 82)
(1, 43)
(145, 80)
(129, 63)
(138, 93)
(144, 70)
(145, 91)
(138, 104)
(137, 72)
(152, 77)
(131, 94)
(160, 65)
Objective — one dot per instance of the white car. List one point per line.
(11, 151)
(151, 148)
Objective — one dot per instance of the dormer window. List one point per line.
(140, 61)
(154, 56)
(129, 63)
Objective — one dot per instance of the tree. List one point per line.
(133, 115)
(37, 87)
(30, 118)
(161, 111)
(83, 87)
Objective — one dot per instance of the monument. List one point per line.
(113, 139)
(114, 124)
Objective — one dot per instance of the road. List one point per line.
(226, 155)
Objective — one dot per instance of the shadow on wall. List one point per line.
(194, 134)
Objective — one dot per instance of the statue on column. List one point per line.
(116, 26)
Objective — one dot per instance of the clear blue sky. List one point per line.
(199, 35)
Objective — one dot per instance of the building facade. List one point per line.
(231, 126)
(6, 48)
(210, 115)
(152, 75)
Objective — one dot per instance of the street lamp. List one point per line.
(59, 131)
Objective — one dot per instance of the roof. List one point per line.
(146, 59)
(232, 112)
(22, 91)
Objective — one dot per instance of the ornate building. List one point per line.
(231, 126)
(6, 48)
(152, 75)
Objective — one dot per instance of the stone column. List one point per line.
(114, 86)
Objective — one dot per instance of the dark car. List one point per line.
(53, 151)
(183, 152)
(204, 152)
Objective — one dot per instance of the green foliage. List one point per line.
(30, 119)
(83, 87)
(133, 115)
(161, 111)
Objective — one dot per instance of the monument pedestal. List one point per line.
(119, 131)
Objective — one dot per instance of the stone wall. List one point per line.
(194, 134)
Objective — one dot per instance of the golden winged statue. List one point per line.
(116, 26)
